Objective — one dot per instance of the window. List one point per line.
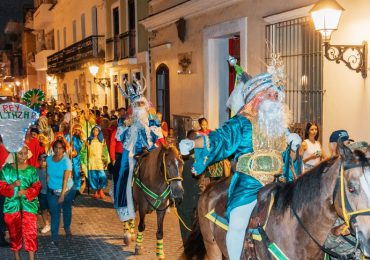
(58, 40)
(115, 21)
(74, 31)
(83, 32)
(163, 92)
(94, 17)
(65, 37)
(77, 94)
(131, 15)
(300, 48)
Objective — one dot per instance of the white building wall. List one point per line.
(347, 96)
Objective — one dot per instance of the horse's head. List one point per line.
(173, 170)
(354, 194)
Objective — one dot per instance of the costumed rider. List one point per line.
(136, 135)
(256, 136)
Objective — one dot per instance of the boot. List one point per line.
(102, 195)
(96, 195)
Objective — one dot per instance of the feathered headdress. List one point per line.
(135, 91)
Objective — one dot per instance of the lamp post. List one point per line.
(326, 15)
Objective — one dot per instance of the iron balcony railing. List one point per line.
(121, 47)
(77, 54)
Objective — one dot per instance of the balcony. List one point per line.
(76, 55)
(41, 60)
(43, 17)
(121, 47)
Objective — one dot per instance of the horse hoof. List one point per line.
(161, 257)
(137, 250)
(126, 240)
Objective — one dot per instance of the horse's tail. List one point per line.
(194, 246)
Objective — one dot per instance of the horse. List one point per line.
(301, 215)
(157, 178)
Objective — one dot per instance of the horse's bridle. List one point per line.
(158, 198)
(168, 180)
(349, 215)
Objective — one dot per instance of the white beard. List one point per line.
(141, 120)
(273, 118)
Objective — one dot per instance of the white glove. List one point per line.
(186, 146)
(295, 139)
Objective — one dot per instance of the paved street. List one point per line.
(97, 234)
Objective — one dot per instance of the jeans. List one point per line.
(55, 208)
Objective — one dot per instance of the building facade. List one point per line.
(191, 40)
(126, 45)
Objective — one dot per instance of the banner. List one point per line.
(15, 119)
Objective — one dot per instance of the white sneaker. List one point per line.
(46, 229)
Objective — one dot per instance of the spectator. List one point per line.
(33, 145)
(187, 209)
(164, 125)
(311, 149)
(121, 115)
(171, 139)
(43, 201)
(105, 113)
(21, 204)
(60, 189)
(98, 162)
(203, 124)
(333, 141)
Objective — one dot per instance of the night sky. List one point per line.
(12, 9)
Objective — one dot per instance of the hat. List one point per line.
(256, 85)
(343, 134)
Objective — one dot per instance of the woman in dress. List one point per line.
(98, 162)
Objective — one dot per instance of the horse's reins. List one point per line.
(349, 216)
(158, 198)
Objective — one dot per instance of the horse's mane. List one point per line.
(302, 191)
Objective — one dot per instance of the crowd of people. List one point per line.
(70, 148)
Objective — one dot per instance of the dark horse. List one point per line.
(157, 178)
(302, 214)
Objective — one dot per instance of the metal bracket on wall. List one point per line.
(103, 82)
(353, 56)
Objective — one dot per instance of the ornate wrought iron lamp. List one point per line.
(325, 15)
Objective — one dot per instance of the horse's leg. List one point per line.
(160, 219)
(208, 228)
(141, 228)
(126, 233)
(132, 229)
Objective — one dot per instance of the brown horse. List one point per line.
(157, 178)
(302, 214)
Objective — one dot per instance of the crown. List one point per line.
(134, 91)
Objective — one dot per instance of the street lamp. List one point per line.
(326, 15)
(17, 83)
(93, 70)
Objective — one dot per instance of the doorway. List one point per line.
(219, 41)
(163, 92)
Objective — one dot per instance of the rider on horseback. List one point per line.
(256, 136)
(135, 136)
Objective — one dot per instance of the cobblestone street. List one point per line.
(97, 234)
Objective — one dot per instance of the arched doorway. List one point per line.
(163, 92)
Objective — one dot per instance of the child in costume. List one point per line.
(43, 201)
(98, 162)
(21, 203)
